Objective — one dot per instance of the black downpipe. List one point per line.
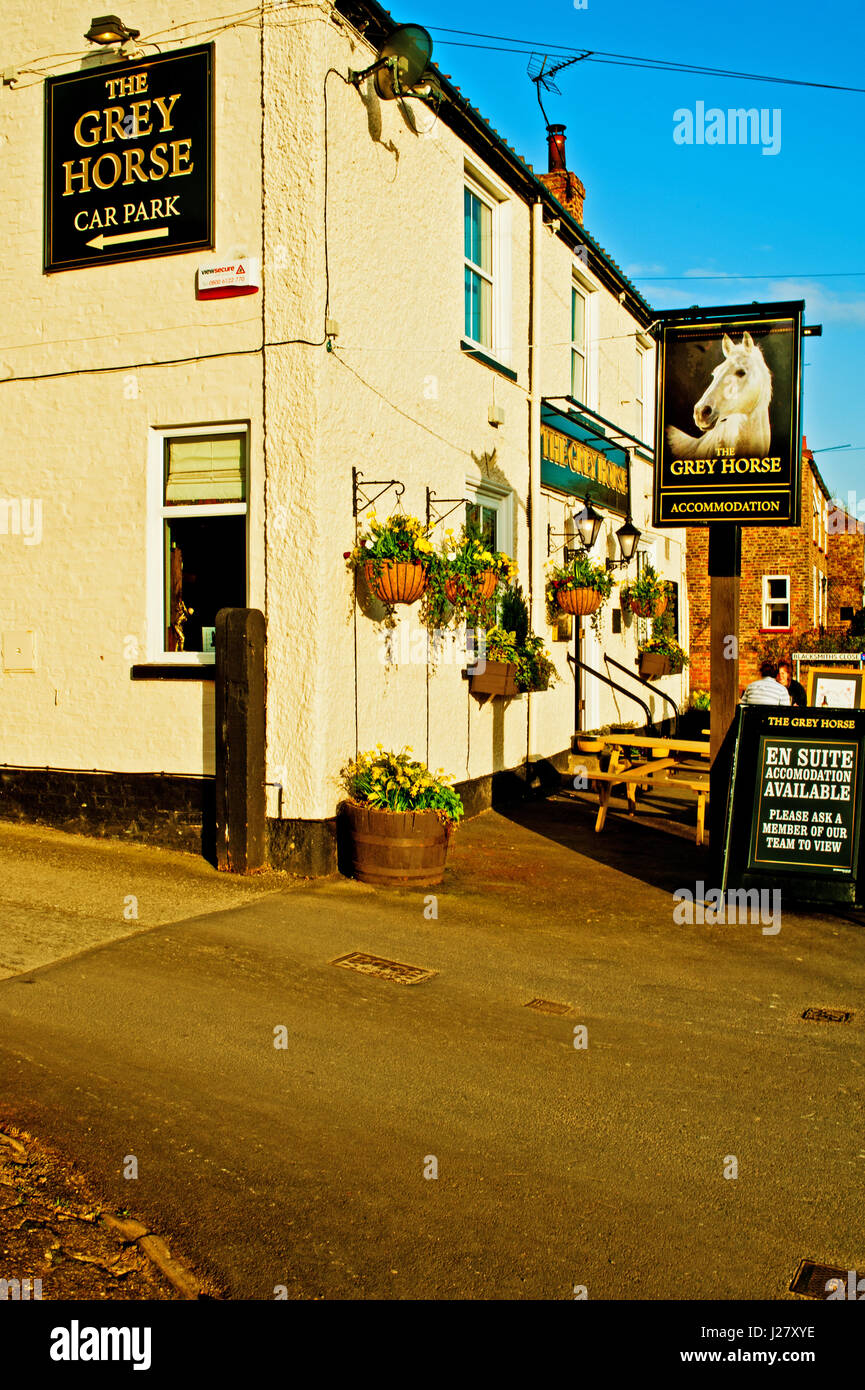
(671, 733)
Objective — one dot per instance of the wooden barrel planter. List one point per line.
(654, 664)
(497, 678)
(396, 848)
(397, 582)
(579, 601)
(482, 586)
(648, 610)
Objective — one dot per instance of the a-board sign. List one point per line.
(795, 805)
(727, 416)
(129, 160)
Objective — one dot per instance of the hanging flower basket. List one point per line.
(648, 610)
(477, 587)
(582, 602)
(396, 581)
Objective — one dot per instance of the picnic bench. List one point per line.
(662, 760)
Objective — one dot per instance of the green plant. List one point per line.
(401, 539)
(391, 781)
(700, 699)
(514, 613)
(501, 646)
(535, 668)
(669, 647)
(578, 573)
(453, 573)
(647, 589)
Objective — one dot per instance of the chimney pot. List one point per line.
(556, 148)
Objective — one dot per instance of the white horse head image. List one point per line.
(733, 411)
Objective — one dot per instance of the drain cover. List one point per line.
(828, 1015)
(385, 969)
(548, 1006)
(810, 1279)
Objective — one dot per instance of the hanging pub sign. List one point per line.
(727, 416)
(577, 459)
(795, 806)
(129, 160)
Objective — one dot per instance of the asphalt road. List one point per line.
(303, 1166)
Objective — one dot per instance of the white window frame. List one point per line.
(500, 498)
(589, 291)
(766, 625)
(498, 201)
(583, 352)
(158, 513)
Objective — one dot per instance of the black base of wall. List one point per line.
(160, 809)
(178, 812)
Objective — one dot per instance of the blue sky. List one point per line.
(664, 209)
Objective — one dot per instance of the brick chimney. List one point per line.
(559, 180)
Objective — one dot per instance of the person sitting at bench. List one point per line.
(768, 690)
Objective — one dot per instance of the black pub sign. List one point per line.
(129, 160)
(728, 408)
(795, 807)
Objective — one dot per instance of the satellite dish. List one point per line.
(402, 61)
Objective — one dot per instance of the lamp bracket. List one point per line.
(434, 514)
(571, 551)
(360, 498)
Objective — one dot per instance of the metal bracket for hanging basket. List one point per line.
(433, 514)
(360, 498)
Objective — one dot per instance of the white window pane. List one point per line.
(205, 470)
(578, 318)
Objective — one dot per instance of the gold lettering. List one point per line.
(139, 128)
(133, 160)
(116, 167)
(78, 133)
(158, 162)
(166, 106)
(84, 176)
(114, 118)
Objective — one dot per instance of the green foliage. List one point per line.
(400, 538)
(579, 573)
(700, 699)
(392, 781)
(647, 589)
(514, 613)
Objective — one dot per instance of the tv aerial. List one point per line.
(542, 71)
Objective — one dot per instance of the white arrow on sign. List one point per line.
(101, 241)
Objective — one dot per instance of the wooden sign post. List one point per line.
(725, 567)
(241, 821)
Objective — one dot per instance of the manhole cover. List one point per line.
(548, 1006)
(811, 1280)
(828, 1015)
(385, 969)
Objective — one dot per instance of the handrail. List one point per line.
(655, 691)
(584, 665)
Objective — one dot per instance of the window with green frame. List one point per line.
(478, 240)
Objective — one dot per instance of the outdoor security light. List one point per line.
(110, 29)
(628, 537)
(588, 523)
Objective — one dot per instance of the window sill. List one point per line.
(776, 631)
(480, 356)
(155, 671)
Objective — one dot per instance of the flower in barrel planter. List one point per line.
(646, 595)
(395, 556)
(399, 818)
(579, 587)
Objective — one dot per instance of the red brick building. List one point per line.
(846, 566)
(786, 581)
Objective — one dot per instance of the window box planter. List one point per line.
(397, 581)
(582, 602)
(653, 664)
(497, 678)
(395, 848)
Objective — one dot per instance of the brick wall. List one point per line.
(782, 550)
(846, 564)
